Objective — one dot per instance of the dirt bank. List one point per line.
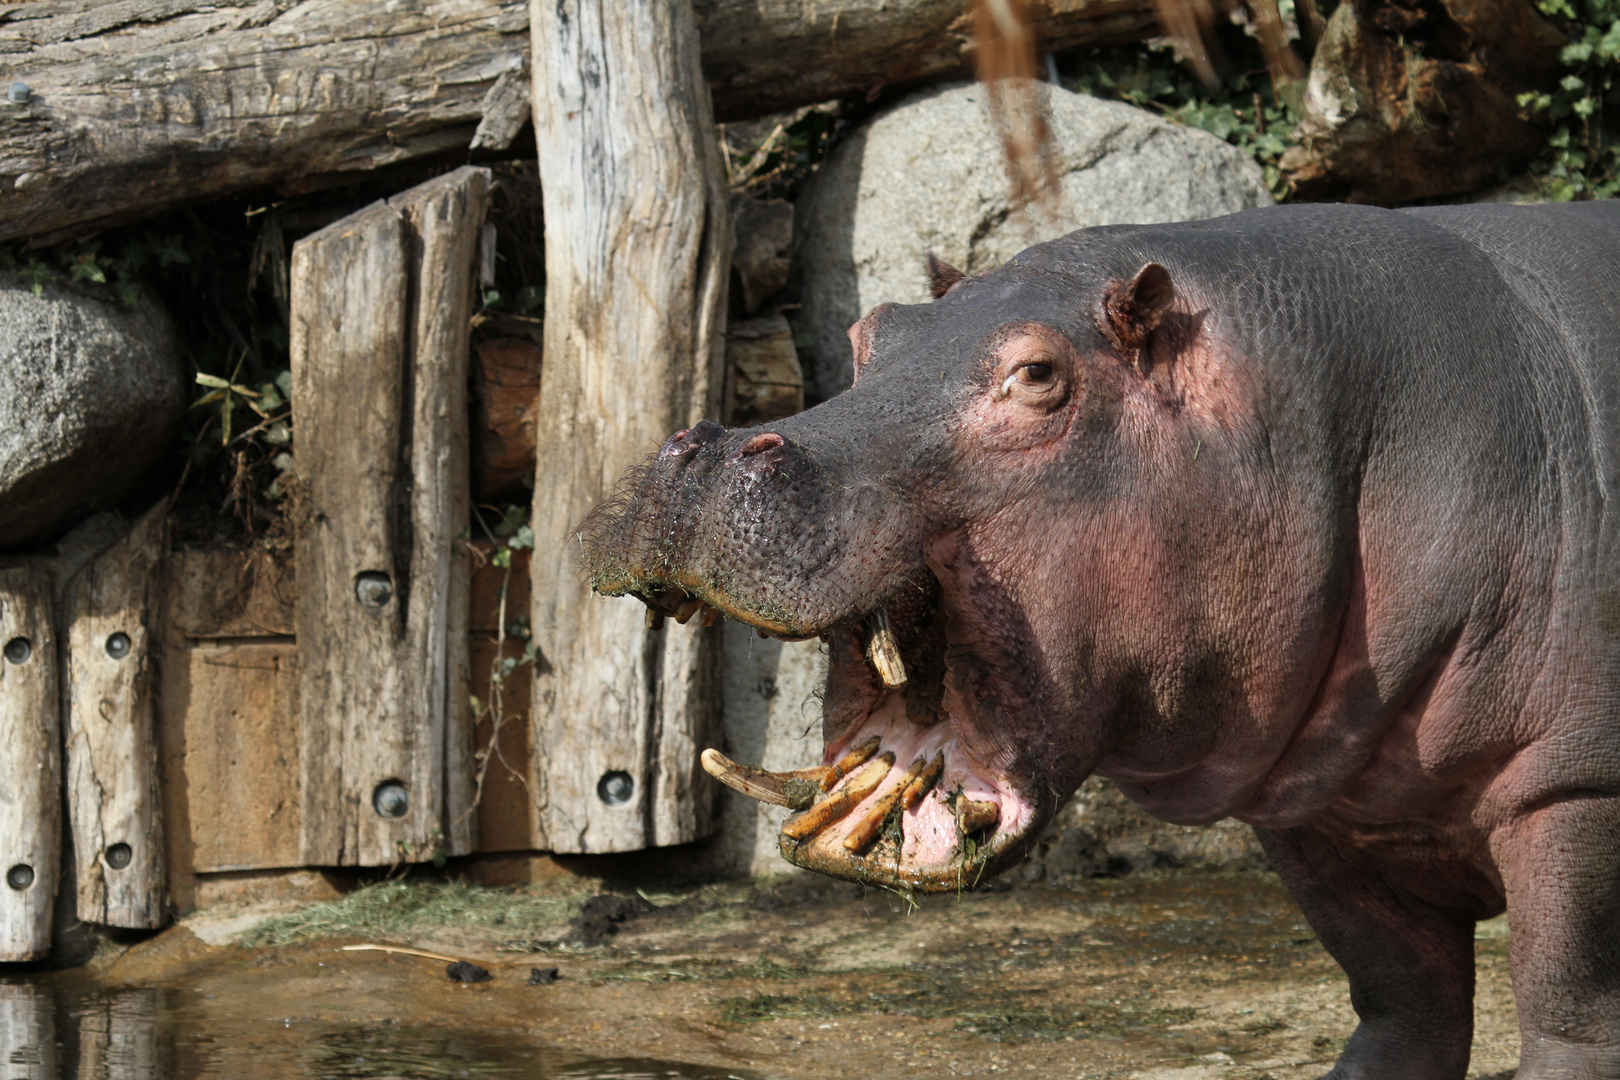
(1172, 975)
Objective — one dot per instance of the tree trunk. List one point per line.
(144, 104)
(1413, 102)
(638, 240)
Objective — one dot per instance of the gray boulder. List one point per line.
(928, 175)
(91, 394)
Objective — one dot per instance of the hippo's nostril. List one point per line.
(766, 440)
(690, 439)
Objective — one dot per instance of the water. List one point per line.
(59, 1027)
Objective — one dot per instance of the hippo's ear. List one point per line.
(942, 276)
(1132, 310)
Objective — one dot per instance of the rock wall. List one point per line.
(91, 395)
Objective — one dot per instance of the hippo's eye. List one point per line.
(1036, 373)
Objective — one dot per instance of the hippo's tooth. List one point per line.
(837, 805)
(654, 619)
(971, 815)
(922, 782)
(687, 610)
(884, 652)
(783, 789)
(709, 615)
(861, 836)
(856, 756)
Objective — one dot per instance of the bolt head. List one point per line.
(19, 877)
(18, 650)
(18, 92)
(373, 589)
(118, 856)
(615, 788)
(118, 645)
(391, 800)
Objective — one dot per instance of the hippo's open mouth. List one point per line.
(909, 793)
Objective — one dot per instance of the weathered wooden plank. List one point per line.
(30, 768)
(381, 306)
(218, 593)
(231, 780)
(227, 715)
(28, 1032)
(638, 239)
(111, 766)
(129, 116)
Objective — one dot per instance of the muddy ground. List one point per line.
(1171, 975)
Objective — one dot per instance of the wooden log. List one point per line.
(28, 1031)
(30, 768)
(144, 104)
(112, 767)
(638, 243)
(768, 56)
(1386, 122)
(381, 307)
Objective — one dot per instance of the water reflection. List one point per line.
(27, 1033)
(61, 1031)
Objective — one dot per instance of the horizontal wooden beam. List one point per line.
(138, 106)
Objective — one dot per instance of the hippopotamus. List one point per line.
(1308, 516)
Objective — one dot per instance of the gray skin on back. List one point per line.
(1319, 535)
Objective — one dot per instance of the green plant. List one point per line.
(1580, 160)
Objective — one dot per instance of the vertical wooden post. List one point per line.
(30, 766)
(112, 767)
(638, 241)
(381, 304)
(27, 1032)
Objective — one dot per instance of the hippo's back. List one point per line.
(1563, 262)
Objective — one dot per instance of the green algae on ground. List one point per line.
(406, 909)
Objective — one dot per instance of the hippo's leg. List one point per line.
(1561, 868)
(1411, 964)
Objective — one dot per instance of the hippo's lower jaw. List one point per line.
(904, 799)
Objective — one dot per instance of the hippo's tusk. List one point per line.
(847, 764)
(841, 802)
(861, 836)
(884, 652)
(922, 782)
(709, 615)
(971, 816)
(794, 790)
(687, 610)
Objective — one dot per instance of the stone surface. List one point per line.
(1102, 833)
(91, 394)
(766, 381)
(772, 717)
(928, 175)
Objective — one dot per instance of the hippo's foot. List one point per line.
(1391, 1050)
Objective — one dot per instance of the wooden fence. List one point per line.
(208, 711)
